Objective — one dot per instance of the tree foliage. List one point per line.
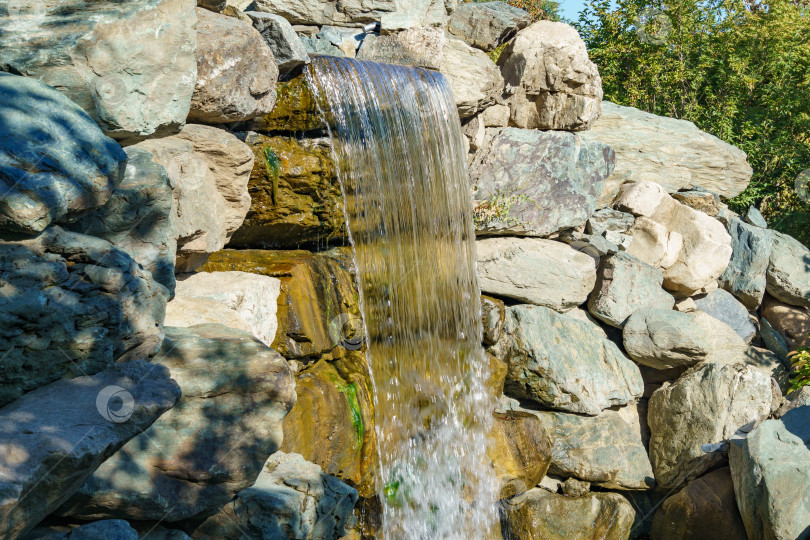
(739, 69)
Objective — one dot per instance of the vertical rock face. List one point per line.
(137, 217)
(508, 267)
(553, 84)
(209, 170)
(292, 499)
(108, 58)
(563, 363)
(72, 304)
(707, 405)
(536, 183)
(745, 276)
(541, 515)
(789, 271)
(212, 444)
(55, 163)
(236, 71)
(705, 508)
(52, 439)
(667, 151)
(487, 25)
(771, 472)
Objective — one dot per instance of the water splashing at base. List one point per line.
(402, 167)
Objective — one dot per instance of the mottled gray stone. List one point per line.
(771, 472)
(292, 499)
(316, 45)
(348, 40)
(508, 267)
(754, 217)
(71, 304)
(55, 163)
(288, 49)
(485, 25)
(724, 307)
(109, 529)
(551, 82)
(236, 71)
(536, 183)
(211, 445)
(137, 218)
(625, 285)
(606, 450)
(606, 219)
(53, 438)
(773, 340)
(664, 339)
(745, 275)
(706, 405)
(108, 58)
(564, 363)
(789, 271)
(670, 152)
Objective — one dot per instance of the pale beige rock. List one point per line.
(653, 243)
(476, 132)
(209, 170)
(686, 305)
(725, 344)
(419, 47)
(551, 81)
(496, 116)
(640, 198)
(252, 298)
(511, 267)
(473, 77)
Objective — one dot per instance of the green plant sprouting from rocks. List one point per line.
(273, 164)
(497, 210)
(350, 390)
(800, 361)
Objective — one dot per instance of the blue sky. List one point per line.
(570, 9)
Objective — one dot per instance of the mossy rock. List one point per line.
(332, 423)
(317, 293)
(296, 109)
(295, 194)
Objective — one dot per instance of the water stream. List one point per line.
(402, 168)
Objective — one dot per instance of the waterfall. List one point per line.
(402, 168)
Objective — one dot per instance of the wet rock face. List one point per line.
(342, 441)
(236, 71)
(318, 297)
(85, 48)
(295, 194)
(520, 452)
(536, 183)
(212, 444)
(541, 515)
(55, 163)
(551, 82)
(72, 304)
(53, 438)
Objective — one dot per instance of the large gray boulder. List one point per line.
(705, 508)
(508, 267)
(473, 77)
(606, 450)
(213, 444)
(540, 514)
(564, 363)
(55, 163)
(53, 438)
(724, 307)
(665, 339)
(536, 183)
(625, 285)
(670, 152)
(236, 71)
(209, 169)
(292, 499)
(288, 49)
(394, 15)
(485, 25)
(789, 271)
(424, 47)
(745, 276)
(551, 81)
(705, 406)
(138, 217)
(108, 58)
(771, 472)
(71, 304)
